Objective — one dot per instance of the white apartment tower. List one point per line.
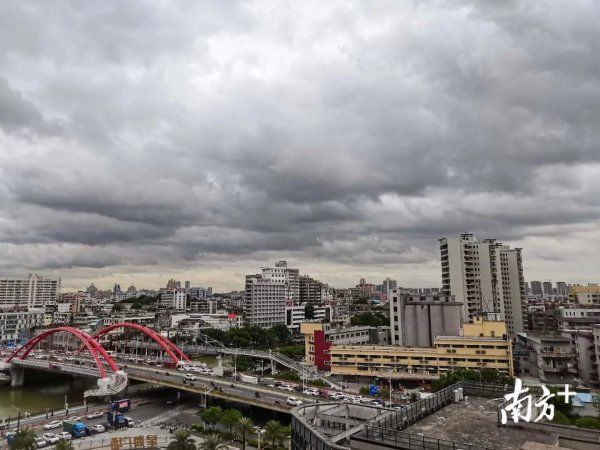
(268, 294)
(31, 292)
(485, 276)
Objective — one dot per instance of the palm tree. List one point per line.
(182, 441)
(275, 432)
(213, 442)
(63, 445)
(245, 427)
(24, 439)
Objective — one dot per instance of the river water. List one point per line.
(42, 390)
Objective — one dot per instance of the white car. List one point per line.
(75, 419)
(51, 438)
(52, 425)
(189, 377)
(98, 428)
(64, 436)
(293, 401)
(94, 415)
(39, 443)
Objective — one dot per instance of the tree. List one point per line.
(213, 442)
(244, 427)
(117, 307)
(63, 445)
(309, 311)
(281, 333)
(275, 433)
(377, 319)
(24, 439)
(596, 402)
(230, 417)
(182, 441)
(212, 415)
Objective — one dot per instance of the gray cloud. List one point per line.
(207, 138)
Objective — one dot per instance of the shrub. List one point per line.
(561, 418)
(588, 422)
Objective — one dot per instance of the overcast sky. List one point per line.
(141, 141)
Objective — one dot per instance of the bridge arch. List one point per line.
(93, 347)
(174, 352)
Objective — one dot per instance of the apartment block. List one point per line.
(483, 344)
(550, 358)
(173, 299)
(585, 295)
(17, 325)
(30, 292)
(269, 293)
(485, 276)
(415, 320)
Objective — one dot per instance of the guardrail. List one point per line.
(402, 439)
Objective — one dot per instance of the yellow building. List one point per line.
(585, 295)
(482, 345)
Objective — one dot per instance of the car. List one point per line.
(75, 419)
(64, 436)
(39, 443)
(189, 377)
(50, 438)
(53, 424)
(130, 421)
(95, 429)
(293, 401)
(94, 415)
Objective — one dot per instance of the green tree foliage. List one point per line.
(141, 302)
(560, 418)
(244, 427)
(251, 336)
(212, 415)
(230, 417)
(182, 441)
(213, 441)
(309, 311)
(24, 439)
(588, 422)
(275, 433)
(484, 375)
(596, 402)
(376, 319)
(292, 351)
(63, 445)
(117, 307)
(559, 403)
(288, 375)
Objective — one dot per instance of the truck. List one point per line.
(118, 420)
(76, 429)
(248, 379)
(121, 406)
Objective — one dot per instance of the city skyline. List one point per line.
(202, 140)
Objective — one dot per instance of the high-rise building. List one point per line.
(173, 299)
(562, 288)
(415, 320)
(547, 288)
(188, 285)
(268, 294)
(536, 288)
(31, 292)
(486, 276)
(310, 290)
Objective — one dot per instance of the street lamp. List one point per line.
(258, 433)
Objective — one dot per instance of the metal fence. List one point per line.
(404, 440)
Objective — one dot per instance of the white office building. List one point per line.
(174, 299)
(30, 292)
(295, 315)
(486, 276)
(269, 293)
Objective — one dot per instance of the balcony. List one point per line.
(557, 354)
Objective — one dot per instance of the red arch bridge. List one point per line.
(111, 379)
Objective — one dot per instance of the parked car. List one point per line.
(96, 429)
(94, 415)
(39, 443)
(50, 438)
(64, 436)
(52, 425)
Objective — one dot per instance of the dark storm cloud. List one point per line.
(347, 134)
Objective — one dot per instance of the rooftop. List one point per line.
(475, 422)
